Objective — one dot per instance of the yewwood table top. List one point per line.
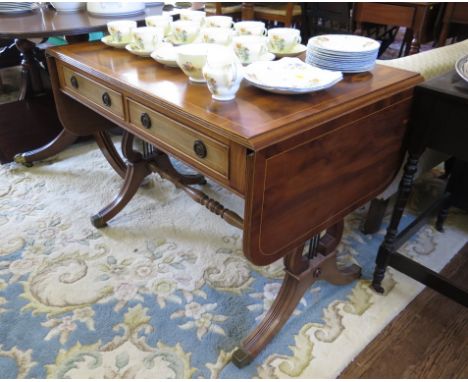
(255, 118)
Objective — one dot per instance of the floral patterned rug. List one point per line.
(164, 291)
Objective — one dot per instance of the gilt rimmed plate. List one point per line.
(114, 44)
(461, 66)
(290, 76)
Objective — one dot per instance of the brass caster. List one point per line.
(20, 158)
(98, 221)
(241, 358)
(202, 181)
(378, 288)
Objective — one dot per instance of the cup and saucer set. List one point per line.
(285, 42)
(125, 34)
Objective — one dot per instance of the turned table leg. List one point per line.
(30, 75)
(301, 273)
(386, 248)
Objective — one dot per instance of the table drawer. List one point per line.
(181, 139)
(94, 92)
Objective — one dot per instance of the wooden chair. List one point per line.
(455, 13)
(226, 9)
(288, 14)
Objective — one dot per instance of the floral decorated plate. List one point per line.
(165, 54)
(108, 40)
(461, 67)
(298, 49)
(290, 76)
(344, 43)
(133, 49)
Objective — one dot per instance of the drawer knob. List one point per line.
(145, 120)
(74, 82)
(199, 148)
(106, 99)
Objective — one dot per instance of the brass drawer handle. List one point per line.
(145, 120)
(199, 148)
(74, 82)
(106, 99)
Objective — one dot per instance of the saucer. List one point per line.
(110, 42)
(138, 52)
(265, 57)
(165, 54)
(296, 51)
(170, 40)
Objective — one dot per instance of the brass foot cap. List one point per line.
(20, 158)
(378, 288)
(241, 358)
(202, 181)
(98, 221)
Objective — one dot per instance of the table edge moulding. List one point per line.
(302, 163)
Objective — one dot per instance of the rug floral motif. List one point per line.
(164, 291)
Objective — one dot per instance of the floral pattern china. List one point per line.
(290, 76)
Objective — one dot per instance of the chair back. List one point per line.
(455, 13)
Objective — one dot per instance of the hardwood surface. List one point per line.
(301, 162)
(255, 118)
(428, 339)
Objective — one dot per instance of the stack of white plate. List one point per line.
(345, 53)
(12, 8)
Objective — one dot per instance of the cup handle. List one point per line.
(265, 32)
(298, 39)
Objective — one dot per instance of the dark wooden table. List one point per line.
(439, 121)
(302, 163)
(21, 129)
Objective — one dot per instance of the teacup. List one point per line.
(160, 21)
(214, 35)
(184, 32)
(191, 58)
(283, 40)
(191, 15)
(121, 30)
(256, 28)
(249, 48)
(146, 38)
(223, 73)
(218, 22)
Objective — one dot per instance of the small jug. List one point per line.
(223, 73)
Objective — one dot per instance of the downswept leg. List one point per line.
(301, 273)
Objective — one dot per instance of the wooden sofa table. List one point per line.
(302, 163)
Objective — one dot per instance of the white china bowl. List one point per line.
(191, 58)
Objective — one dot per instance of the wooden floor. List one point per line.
(429, 339)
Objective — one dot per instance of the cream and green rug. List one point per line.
(165, 291)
